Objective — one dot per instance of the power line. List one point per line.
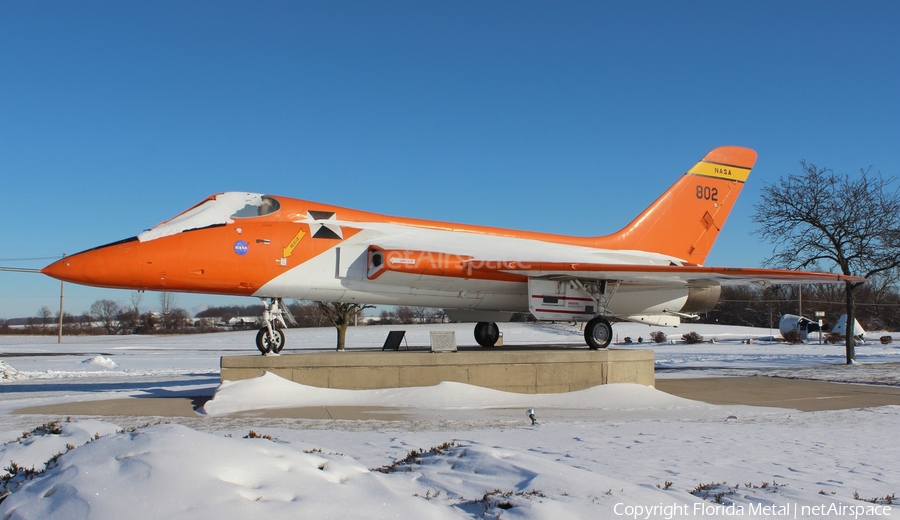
(30, 259)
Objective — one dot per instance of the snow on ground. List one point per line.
(271, 391)
(197, 356)
(666, 458)
(8, 372)
(102, 361)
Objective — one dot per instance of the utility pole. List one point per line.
(62, 293)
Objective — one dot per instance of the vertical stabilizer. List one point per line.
(685, 220)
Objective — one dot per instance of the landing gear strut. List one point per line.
(487, 333)
(270, 338)
(598, 333)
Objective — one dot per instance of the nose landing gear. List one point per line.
(270, 338)
(270, 342)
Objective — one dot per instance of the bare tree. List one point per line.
(179, 319)
(45, 315)
(148, 322)
(308, 314)
(405, 315)
(106, 312)
(820, 217)
(388, 317)
(67, 319)
(31, 325)
(136, 298)
(128, 320)
(422, 314)
(207, 324)
(167, 303)
(341, 315)
(85, 321)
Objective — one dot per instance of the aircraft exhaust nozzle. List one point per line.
(702, 299)
(117, 265)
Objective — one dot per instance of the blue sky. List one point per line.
(559, 117)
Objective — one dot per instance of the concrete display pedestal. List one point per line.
(524, 370)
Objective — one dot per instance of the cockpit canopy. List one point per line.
(259, 208)
(217, 210)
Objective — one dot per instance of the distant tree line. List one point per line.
(410, 315)
(109, 317)
(878, 305)
(878, 308)
(310, 314)
(227, 312)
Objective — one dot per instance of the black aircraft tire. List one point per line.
(598, 333)
(487, 333)
(265, 344)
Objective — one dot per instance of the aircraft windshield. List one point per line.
(219, 209)
(257, 209)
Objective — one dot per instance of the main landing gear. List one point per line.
(487, 333)
(270, 338)
(598, 333)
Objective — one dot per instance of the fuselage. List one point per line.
(270, 246)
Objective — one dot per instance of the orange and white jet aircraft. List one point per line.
(274, 247)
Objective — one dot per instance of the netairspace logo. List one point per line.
(700, 509)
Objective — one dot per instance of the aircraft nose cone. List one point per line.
(116, 265)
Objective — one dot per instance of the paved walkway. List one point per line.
(754, 391)
(804, 395)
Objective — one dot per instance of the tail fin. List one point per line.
(685, 220)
